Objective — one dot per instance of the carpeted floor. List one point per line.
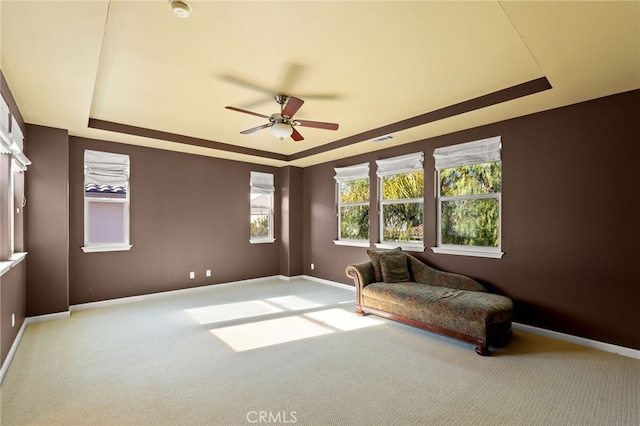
(295, 353)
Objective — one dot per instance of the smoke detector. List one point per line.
(180, 8)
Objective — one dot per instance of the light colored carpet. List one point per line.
(295, 353)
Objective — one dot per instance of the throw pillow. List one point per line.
(376, 256)
(394, 268)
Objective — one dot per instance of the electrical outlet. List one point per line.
(312, 266)
(208, 273)
(192, 275)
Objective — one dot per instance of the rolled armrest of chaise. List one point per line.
(361, 273)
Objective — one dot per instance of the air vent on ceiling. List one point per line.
(383, 138)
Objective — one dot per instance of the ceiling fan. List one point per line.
(283, 124)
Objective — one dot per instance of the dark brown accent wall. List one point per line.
(47, 220)
(291, 220)
(570, 218)
(13, 281)
(188, 213)
(12, 301)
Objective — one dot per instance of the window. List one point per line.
(261, 221)
(13, 164)
(353, 205)
(469, 198)
(402, 201)
(106, 201)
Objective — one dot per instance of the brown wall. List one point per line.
(13, 281)
(47, 220)
(570, 218)
(188, 213)
(291, 221)
(12, 301)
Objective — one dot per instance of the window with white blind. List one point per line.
(401, 202)
(106, 201)
(261, 202)
(352, 188)
(13, 164)
(469, 198)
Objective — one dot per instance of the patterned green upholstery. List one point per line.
(444, 302)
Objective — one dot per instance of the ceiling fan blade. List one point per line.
(317, 124)
(292, 106)
(245, 82)
(296, 136)
(247, 112)
(255, 129)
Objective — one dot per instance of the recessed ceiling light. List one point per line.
(180, 8)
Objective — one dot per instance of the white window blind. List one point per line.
(262, 183)
(402, 164)
(476, 152)
(106, 168)
(106, 179)
(5, 120)
(357, 171)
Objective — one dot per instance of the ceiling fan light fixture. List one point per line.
(281, 130)
(180, 8)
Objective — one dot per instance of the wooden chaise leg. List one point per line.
(359, 312)
(483, 350)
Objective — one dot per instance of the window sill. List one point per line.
(114, 247)
(12, 262)
(263, 241)
(352, 243)
(403, 246)
(468, 252)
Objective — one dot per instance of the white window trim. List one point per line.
(99, 247)
(408, 163)
(476, 152)
(352, 243)
(263, 183)
(96, 248)
(346, 174)
(405, 246)
(13, 261)
(108, 247)
(262, 240)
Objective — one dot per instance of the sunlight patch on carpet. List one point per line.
(231, 311)
(260, 334)
(342, 320)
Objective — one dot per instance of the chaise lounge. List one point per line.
(398, 286)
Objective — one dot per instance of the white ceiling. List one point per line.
(363, 64)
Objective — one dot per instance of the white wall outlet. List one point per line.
(13, 320)
(192, 275)
(312, 266)
(208, 273)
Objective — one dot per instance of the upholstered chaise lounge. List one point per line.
(398, 286)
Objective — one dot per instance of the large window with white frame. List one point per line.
(352, 188)
(13, 164)
(401, 198)
(106, 201)
(469, 198)
(261, 201)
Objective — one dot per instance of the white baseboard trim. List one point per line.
(130, 299)
(47, 317)
(594, 344)
(331, 283)
(16, 341)
(12, 351)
